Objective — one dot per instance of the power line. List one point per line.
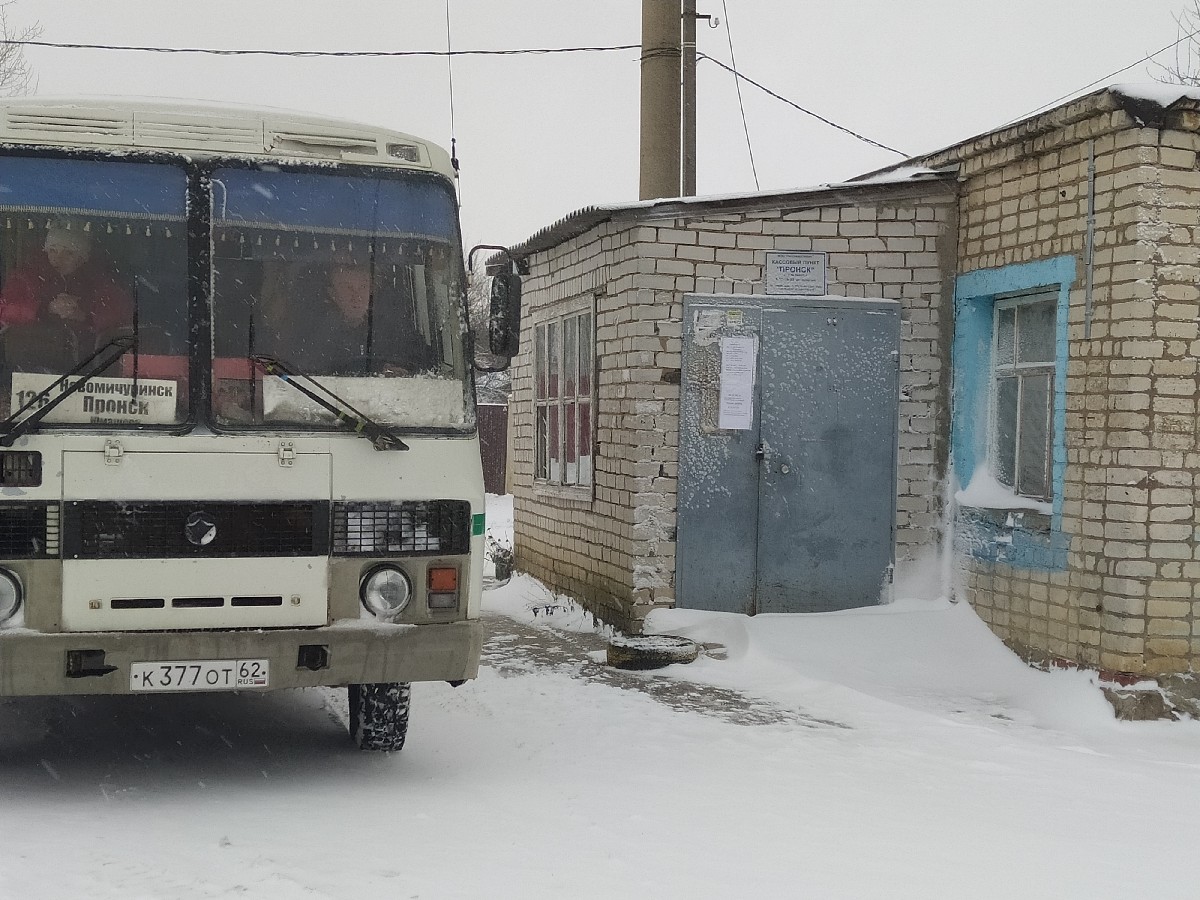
(795, 105)
(742, 106)
(543, 51)
(532, 51)
(448, 53)
(1145, 58)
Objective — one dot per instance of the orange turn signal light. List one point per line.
(443, 580)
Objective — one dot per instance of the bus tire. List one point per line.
(379, 715)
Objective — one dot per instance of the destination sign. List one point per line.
(101, 401)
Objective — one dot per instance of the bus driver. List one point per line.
(349, 330)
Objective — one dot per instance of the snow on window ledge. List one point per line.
(985, 492)
(578, 493)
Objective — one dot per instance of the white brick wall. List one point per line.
(1127, 602)
(639, 270)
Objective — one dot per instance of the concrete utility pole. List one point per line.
(660, 141)
(689, 99)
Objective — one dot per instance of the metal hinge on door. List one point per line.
(287, 454)
(113, 453)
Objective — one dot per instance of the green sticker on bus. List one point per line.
(477, 523)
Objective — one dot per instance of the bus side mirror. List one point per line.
(504, 321)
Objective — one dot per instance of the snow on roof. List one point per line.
(163, 104)
(208, 128)
(1142, 100)
(581, 220)
(899, 176)
(908, 171)
(1156, 92)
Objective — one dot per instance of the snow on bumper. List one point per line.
(36, 663)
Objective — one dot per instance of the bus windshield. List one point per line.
(351, 280)
(91, 250)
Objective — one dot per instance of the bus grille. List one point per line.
(179, 529)
(412, 528)
(29, 530)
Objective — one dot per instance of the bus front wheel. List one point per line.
(379, 715)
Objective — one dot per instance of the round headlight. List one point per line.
(10, 595)
(385, 592)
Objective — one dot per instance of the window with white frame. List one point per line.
(1023, 394)
(564, 398)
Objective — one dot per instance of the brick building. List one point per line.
(606, 292)
(1049, 271)
(1084, 222)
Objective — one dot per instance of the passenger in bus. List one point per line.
(353, 329)
(70, 294)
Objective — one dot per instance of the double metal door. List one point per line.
(793, 509)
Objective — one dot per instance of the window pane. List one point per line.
(566, 358)
(401, 209)
(572, 458)
(585, 442)
(1035, 332)
(585, 428)
(553, 355)
(337, 275)
(570, 330)
(1033, 456)
(585, 355)
(1005, 318)
(89, 251)
(1004, 448)
(541, 362)
(542, 451)
(555, 445)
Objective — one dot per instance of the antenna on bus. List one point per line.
(450, 78)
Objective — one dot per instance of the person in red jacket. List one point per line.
(68, 290)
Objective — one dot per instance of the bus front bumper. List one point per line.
(35, 663)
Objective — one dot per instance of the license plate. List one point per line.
(199, 675)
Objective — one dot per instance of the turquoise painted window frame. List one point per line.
(972, 356)
(1019, 371)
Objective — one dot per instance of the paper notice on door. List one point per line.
(738, 364)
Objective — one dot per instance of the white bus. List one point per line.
(237, 433)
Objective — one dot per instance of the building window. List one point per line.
(1023, 394)
(564, 385)
(1008, 418)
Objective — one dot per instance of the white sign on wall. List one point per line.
(738, 365)
(796, 272)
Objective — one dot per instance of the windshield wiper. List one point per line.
(11, 428)
(344, 414)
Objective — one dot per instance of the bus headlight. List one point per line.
(10, 595)
(385, 591)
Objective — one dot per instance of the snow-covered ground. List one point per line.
(894, 752)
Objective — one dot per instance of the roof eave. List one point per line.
(583, 220)
(1146, 113)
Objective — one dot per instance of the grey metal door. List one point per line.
(795, 513)
(718, 473)
(827, 480)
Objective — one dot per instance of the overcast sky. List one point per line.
(540, 136)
